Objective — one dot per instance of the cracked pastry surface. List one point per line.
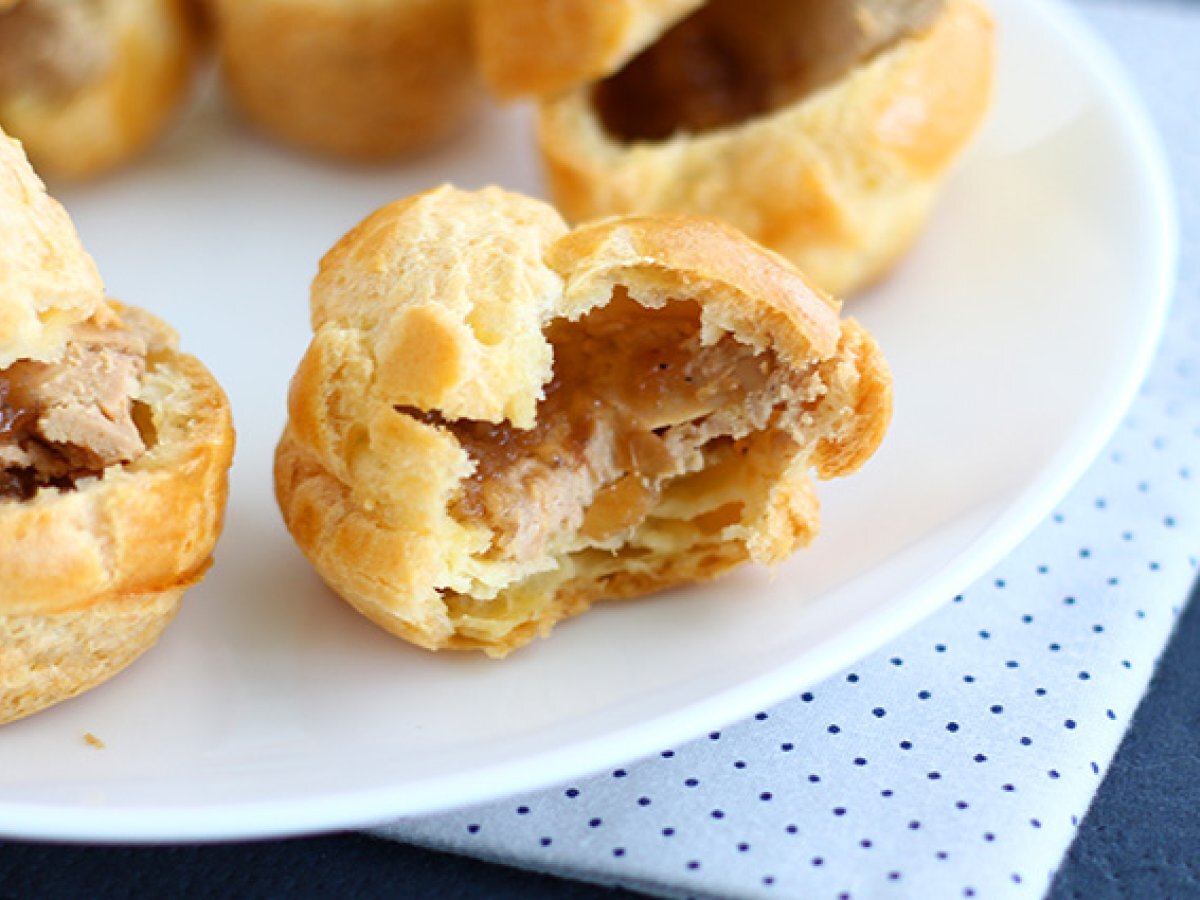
(820, 128)
(114, 448)
(365, 80)
(87, 84)
(500, 421)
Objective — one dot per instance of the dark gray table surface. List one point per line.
(1140, 838)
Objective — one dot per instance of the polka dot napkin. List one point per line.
(959, 760)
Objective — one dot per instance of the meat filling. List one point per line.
(636, 401)
(51, 46)
(71, 419)
(736, 59)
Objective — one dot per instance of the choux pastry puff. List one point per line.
(86, 85)
(358, 80)
(500, 421)
(114, 448)
(821, 128)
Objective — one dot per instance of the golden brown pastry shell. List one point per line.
(156, 44)
(439, 302)
(147, 526)
(543, 47)
(358, 80)
(841, 182)
(90, 577)
(47, 659)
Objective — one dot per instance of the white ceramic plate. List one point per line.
(1017, 332)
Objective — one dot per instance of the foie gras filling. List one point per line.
(71, 419)
(637, 401)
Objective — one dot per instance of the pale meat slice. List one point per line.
(72, 418)
(636, 401)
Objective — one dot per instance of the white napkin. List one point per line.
(959, 760)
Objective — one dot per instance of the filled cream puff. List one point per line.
(114, 448)
(821, 128)
(500, 421)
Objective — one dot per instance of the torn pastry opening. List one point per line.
(658, 437)
(75, 417)
(735, 60)
(51, 47)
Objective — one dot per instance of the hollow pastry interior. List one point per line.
(71, 419)
(655, 449)
(734, 60)
(51, 47)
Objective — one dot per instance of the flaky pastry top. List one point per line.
(47, 281)
(448, 294)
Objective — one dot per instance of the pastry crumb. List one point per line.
(92, 741)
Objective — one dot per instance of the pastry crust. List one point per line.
(49, 283)
(577, 40)
(145, 55)
(91, 572)
(458, 336)
(364, 80)
(840, 181)
(47, 659)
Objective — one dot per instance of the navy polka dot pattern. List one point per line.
(959, 760)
